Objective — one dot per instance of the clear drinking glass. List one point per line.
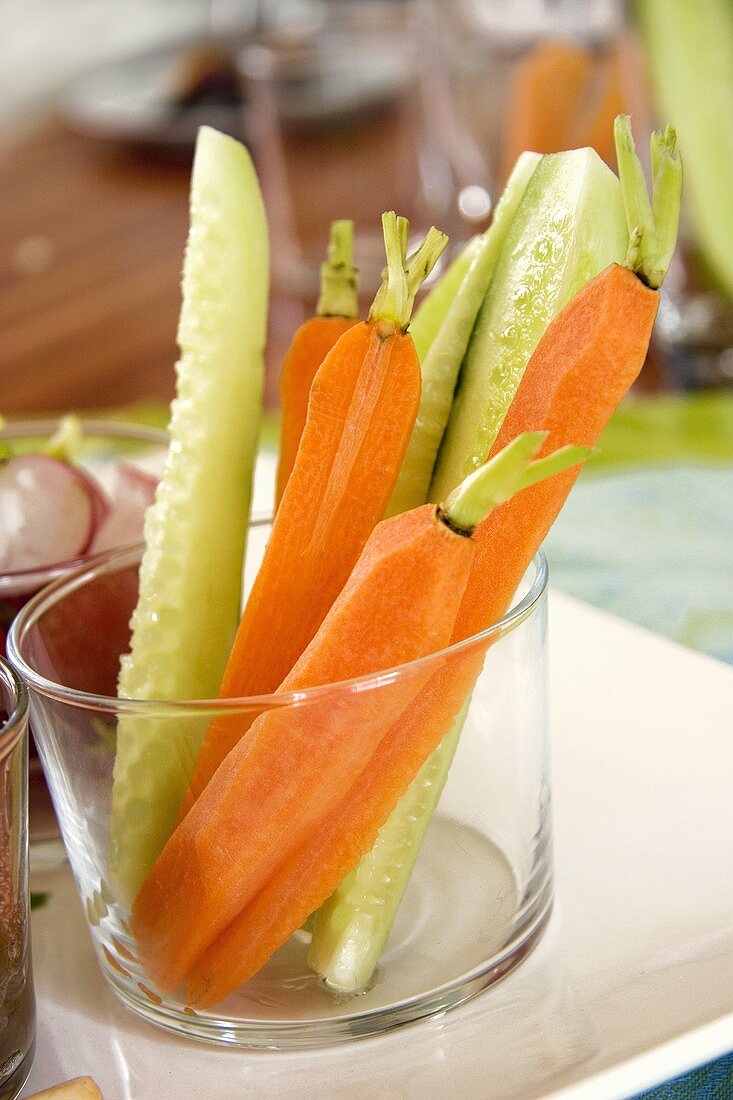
(481, 891)
(105, 443)
(545, 75)
(17, 1003)
(349, 115)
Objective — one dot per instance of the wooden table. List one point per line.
(91, 242)
(90, 258)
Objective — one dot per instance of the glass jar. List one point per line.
(481, 891)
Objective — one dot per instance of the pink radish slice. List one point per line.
(47, 513)
(133, 493)
(101, 503)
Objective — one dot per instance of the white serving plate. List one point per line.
(633, 982)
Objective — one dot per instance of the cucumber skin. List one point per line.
(195, 532)
(570, 225)
(352, 927)
(442, 361)
(430, 314)
(690, 51)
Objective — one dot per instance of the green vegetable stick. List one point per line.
(570, 225)
(191, 572)
(441, 363)
(690, 50)
(351, 928)
(430, 314)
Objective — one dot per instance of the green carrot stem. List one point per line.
(508, 472)
(339, 278)
(403, 278)
(652, 225)
(564, 458)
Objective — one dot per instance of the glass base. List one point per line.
(461, 928)
(11, 1086)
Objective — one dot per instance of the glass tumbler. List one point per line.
(481, 889)
(349, 114)
(17, 1003)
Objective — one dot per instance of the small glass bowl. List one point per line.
(105, 442)
(481, 891)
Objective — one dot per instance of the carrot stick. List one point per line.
(298, 761)
(546, 87)
(336, 312)
(362, 408)
(588, 358)
(430, 553)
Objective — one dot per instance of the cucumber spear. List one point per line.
(441, 362)
(351, 928)
(570, 225)
(191, 572)
(690, 50)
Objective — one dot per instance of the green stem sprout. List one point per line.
(339, 278)
(652, 225)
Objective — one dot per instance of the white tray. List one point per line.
(633, 982)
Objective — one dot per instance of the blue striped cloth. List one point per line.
(653, 542)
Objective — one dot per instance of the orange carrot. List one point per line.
(545, 89)
(362, 408)
(298, 761)
(335, 313)
(589, 358)
(230, 959)
(584, 364)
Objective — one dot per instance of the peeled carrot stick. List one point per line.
(336, 311)
(414, 575)
(545, 90)
(587, 359)
(362, 408)
(297, 762)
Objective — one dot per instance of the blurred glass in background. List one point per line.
(356, 106)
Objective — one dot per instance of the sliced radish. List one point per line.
(133, 492)
(47, 513)
(101, 503)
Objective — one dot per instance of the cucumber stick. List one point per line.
(690, 50)
(430, 314)
(351, 928)
(442, 361)
(191, 573)
(570, 225)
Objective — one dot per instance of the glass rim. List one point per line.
(14, 726)
(91, 426)
(104, 563)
